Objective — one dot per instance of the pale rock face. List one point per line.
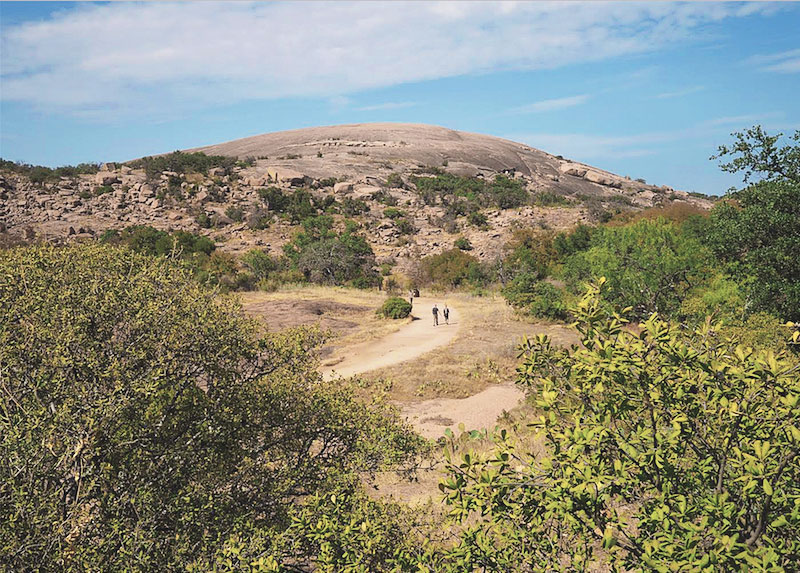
(601, 179)
(572, 169)
(106, 178)
(342, 187)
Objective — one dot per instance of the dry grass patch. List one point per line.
(349, 314)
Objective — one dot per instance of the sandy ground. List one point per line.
(432, 417)
(415, 338)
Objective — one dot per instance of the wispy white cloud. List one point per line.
(741, 120)
(782, 62)
(141, 58)
(387, 106)
(586, 147)
(681, 93)
(551, 104)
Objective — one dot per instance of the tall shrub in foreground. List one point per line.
(662, 452)
(145, 424)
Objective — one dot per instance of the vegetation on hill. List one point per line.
(181, 162)
(464, 195)
(41, 174)
(326, 256)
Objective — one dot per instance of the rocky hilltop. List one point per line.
(369, 166)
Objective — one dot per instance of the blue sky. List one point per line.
(646, 90)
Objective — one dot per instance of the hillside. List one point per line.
(357, 171)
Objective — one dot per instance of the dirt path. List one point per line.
(414, 339)
(432, 417)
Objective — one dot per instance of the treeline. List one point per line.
(40, 174)
(181, 162)
(319, 253)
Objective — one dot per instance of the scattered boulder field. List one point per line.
(376, 164)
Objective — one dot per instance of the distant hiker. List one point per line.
(416, 293)
(435, 312)
(411, 297)
(446, 313)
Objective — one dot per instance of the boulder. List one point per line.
(342, 187)
(602, 179)
(365, 191)
(572, 169)
(106, 178)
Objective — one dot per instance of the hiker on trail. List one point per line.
(446, 313)
(435, 312)
(411, 297)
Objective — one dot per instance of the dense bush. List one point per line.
(326, 256)
(147, 426)
(405, 227)
(393, 213)
(651, 266)
(539, 299)
(395, 307)
(658, 451)
(756, 232)
(260, 263)
(452, 268)
(529, 252)
(235, 213)
(352, 207)
(151, 241)
(454, 190)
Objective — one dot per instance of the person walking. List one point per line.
(435, 312)
(446, 313)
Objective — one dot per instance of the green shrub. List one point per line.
(39, 174)
(478, 219)
(258, 219)
(203, 220)
(463, 244)
(536, 298)
(395, 307)
(405, 227)
(651, 265)
(452, 268)
(393, 213)
(550, 199)
(260, 263)
(507, 193)
(326, 256)
(395, 181)
(180, 162)
(694, 436)
(384, 197)
(353, 207)
(235, 213)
